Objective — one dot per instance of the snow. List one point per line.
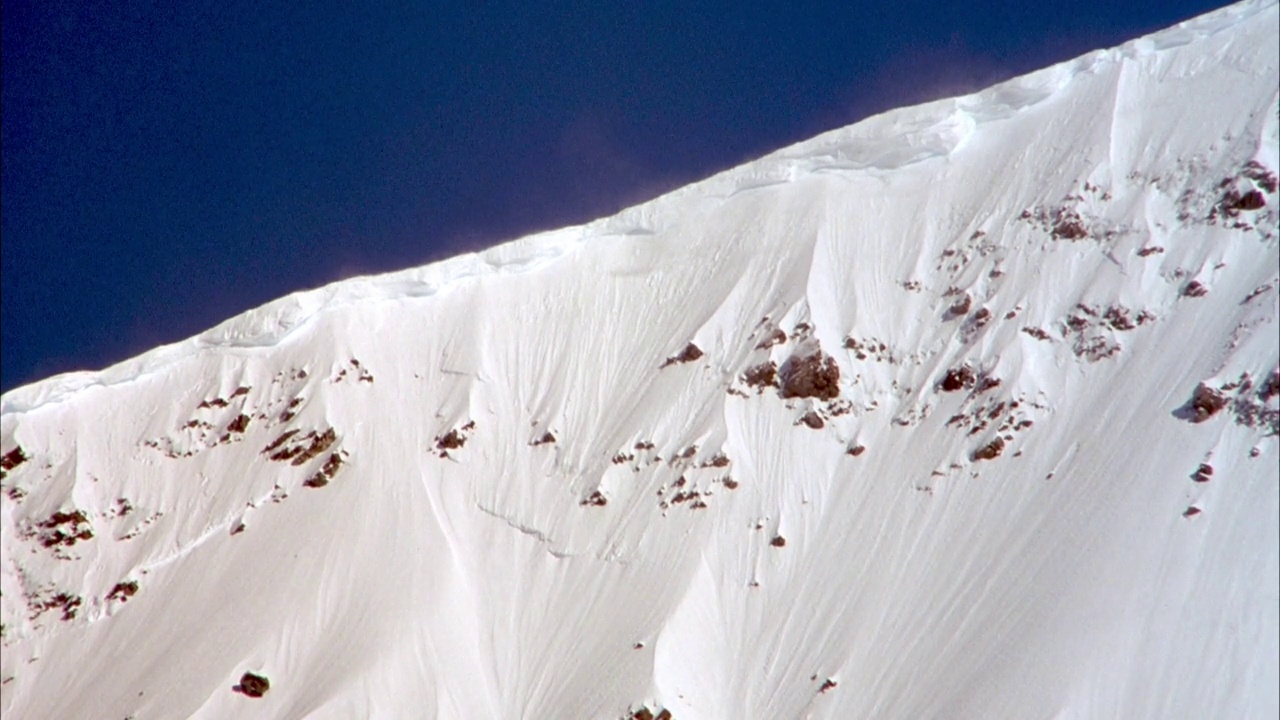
(1060, 579)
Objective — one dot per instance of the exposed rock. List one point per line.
(66, 602)
(298, 452)
(1118, 318)
(778, 541)
(980, 318)
(290, 411)
(987, 383)
(12, 459)
(959, 378)
(690, 353)
(451, 440)
(318, 445)
(1271, 388)
(720, 460)
(326, 473)
(284, 437)
(990, 451)
(64, 529)
(1264, 178)
(813, 420)
(815, 375)
(1233, 201)
(1205, 403)
(777, 337)
(253, 685)
(762, 375)
(1068, 225)
(644, 713)
(871, 348)
(123, 590)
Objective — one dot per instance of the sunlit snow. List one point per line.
(562, 479)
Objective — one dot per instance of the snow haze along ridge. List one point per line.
(969, 410)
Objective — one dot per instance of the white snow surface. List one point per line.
(1111, 223)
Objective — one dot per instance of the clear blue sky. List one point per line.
(167, 165)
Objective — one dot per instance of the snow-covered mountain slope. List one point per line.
(966, 411)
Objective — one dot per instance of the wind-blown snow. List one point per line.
(553, 479)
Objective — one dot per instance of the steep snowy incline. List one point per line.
(970, 410)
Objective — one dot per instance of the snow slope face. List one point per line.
(966, 411)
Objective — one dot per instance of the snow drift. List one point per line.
(965, 411)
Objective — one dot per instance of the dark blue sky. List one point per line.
(167, 165)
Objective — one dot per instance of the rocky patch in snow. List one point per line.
(297, 448)
(253, 685)
(454, 438)
(11, 460)
(690, 353)
(353, 369)
(327, 472)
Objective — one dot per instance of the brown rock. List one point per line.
(1205, 403)
(13, 458)
(990, 451)
(1068, 225)
(123, 590)
(813, 420)
(1271, 387)
(690, 353)
(240, 424)
(959, 378)
(253, 685)
(1252, 200)
(815, 375)
(1195, 289)
(777, 337)
(762, 375)
(451, 440)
